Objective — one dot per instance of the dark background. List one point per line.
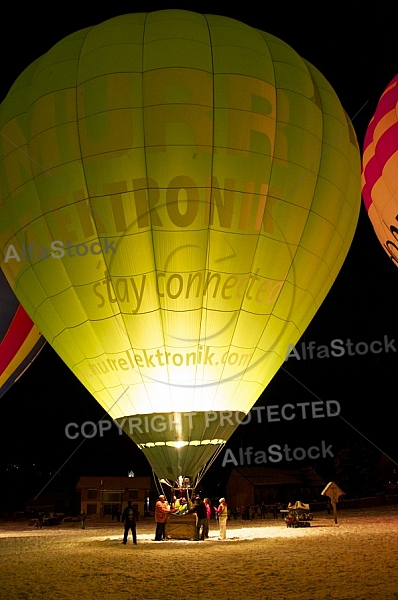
(355, 49)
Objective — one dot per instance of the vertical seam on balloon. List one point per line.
(43, 216)
(31, 171)
(264, 353)
(93, 213)
(324, 150)
(238, 312)
(273, 316)
(294, 253)
(143, 376)
(217, 384)
(204, 310)
(221, 380)
(125, 331)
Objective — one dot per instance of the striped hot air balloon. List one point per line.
(178, 194)
(20, 340)
(380, 170)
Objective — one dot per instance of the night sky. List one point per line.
(356, 52)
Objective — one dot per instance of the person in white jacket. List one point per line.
(222, 514)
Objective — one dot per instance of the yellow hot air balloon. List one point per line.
(178, 194)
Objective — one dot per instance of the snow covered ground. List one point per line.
(353, 560)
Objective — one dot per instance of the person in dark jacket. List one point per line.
(83, 518)
(201, 513)
(129, 518)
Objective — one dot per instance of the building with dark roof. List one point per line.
(105, 496)
(256, 485)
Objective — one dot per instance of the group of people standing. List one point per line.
(202, 509)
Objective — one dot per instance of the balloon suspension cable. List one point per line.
(207, 466)
(158, 483)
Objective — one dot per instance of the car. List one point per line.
(71, 520)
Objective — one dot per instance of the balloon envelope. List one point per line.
(380, 170)
(179, 192)
(20, 340)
